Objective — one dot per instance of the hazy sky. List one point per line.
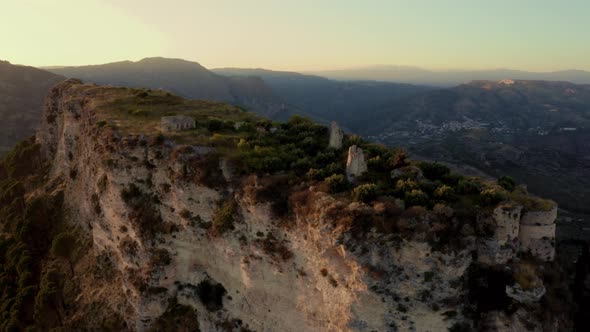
(301, 34)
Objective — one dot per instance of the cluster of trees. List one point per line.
(29, 234)
(297, 145)
(301, 147)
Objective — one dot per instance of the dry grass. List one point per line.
(138, 111)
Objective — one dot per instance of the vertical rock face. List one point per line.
(336, 136)
(355, 164)
(537, 233)
(529, 232)
(503, 244)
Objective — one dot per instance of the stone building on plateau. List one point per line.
(176, 123)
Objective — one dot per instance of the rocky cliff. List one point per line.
(178, 237)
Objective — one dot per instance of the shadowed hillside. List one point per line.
(326, 99)
(22, 90)
(536, 131)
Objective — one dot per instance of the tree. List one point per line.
(63, 246)
(507, 183)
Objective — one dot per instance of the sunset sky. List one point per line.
(539, 35)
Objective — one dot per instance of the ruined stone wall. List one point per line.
(336, 136)
(355, 163)
(537, 233)
(504, 222)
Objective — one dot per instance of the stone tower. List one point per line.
(336, 136)
(355, 164)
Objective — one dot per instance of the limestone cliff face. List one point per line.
(148, 207)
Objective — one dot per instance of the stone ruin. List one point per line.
(176, 123)
(355, 164)
(516, 231)
(501, 246)
(336, 136)
(537, 233)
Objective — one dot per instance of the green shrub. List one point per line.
(403, 186)
(434, 171)
(336, 182)
(416, 197)
(214, 125)
(445, 192)
(469, 186)
(507, 183)
(315, 174)
(300, 120)
(492, 196)
(365, 192)
(223, 219)
(144, 214)
(176, 318)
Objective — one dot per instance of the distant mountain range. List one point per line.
(185, 78)
(325, 99)
(415, 75)
(22, 90)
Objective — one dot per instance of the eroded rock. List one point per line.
(355, 163)
(336, 136)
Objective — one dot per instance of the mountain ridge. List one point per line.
(186, 78)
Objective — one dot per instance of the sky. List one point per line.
(536, 35)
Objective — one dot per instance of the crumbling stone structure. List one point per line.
(516, 231)
(355, 164)
(503, 244)
(537, 233)
(336, 136)
(176, 123)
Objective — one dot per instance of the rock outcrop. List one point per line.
(355, 163)
(178, 225)
(336, 136)
(514, 231)
(537, 233)
(501, 246)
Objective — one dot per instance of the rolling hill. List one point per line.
(22, 90)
